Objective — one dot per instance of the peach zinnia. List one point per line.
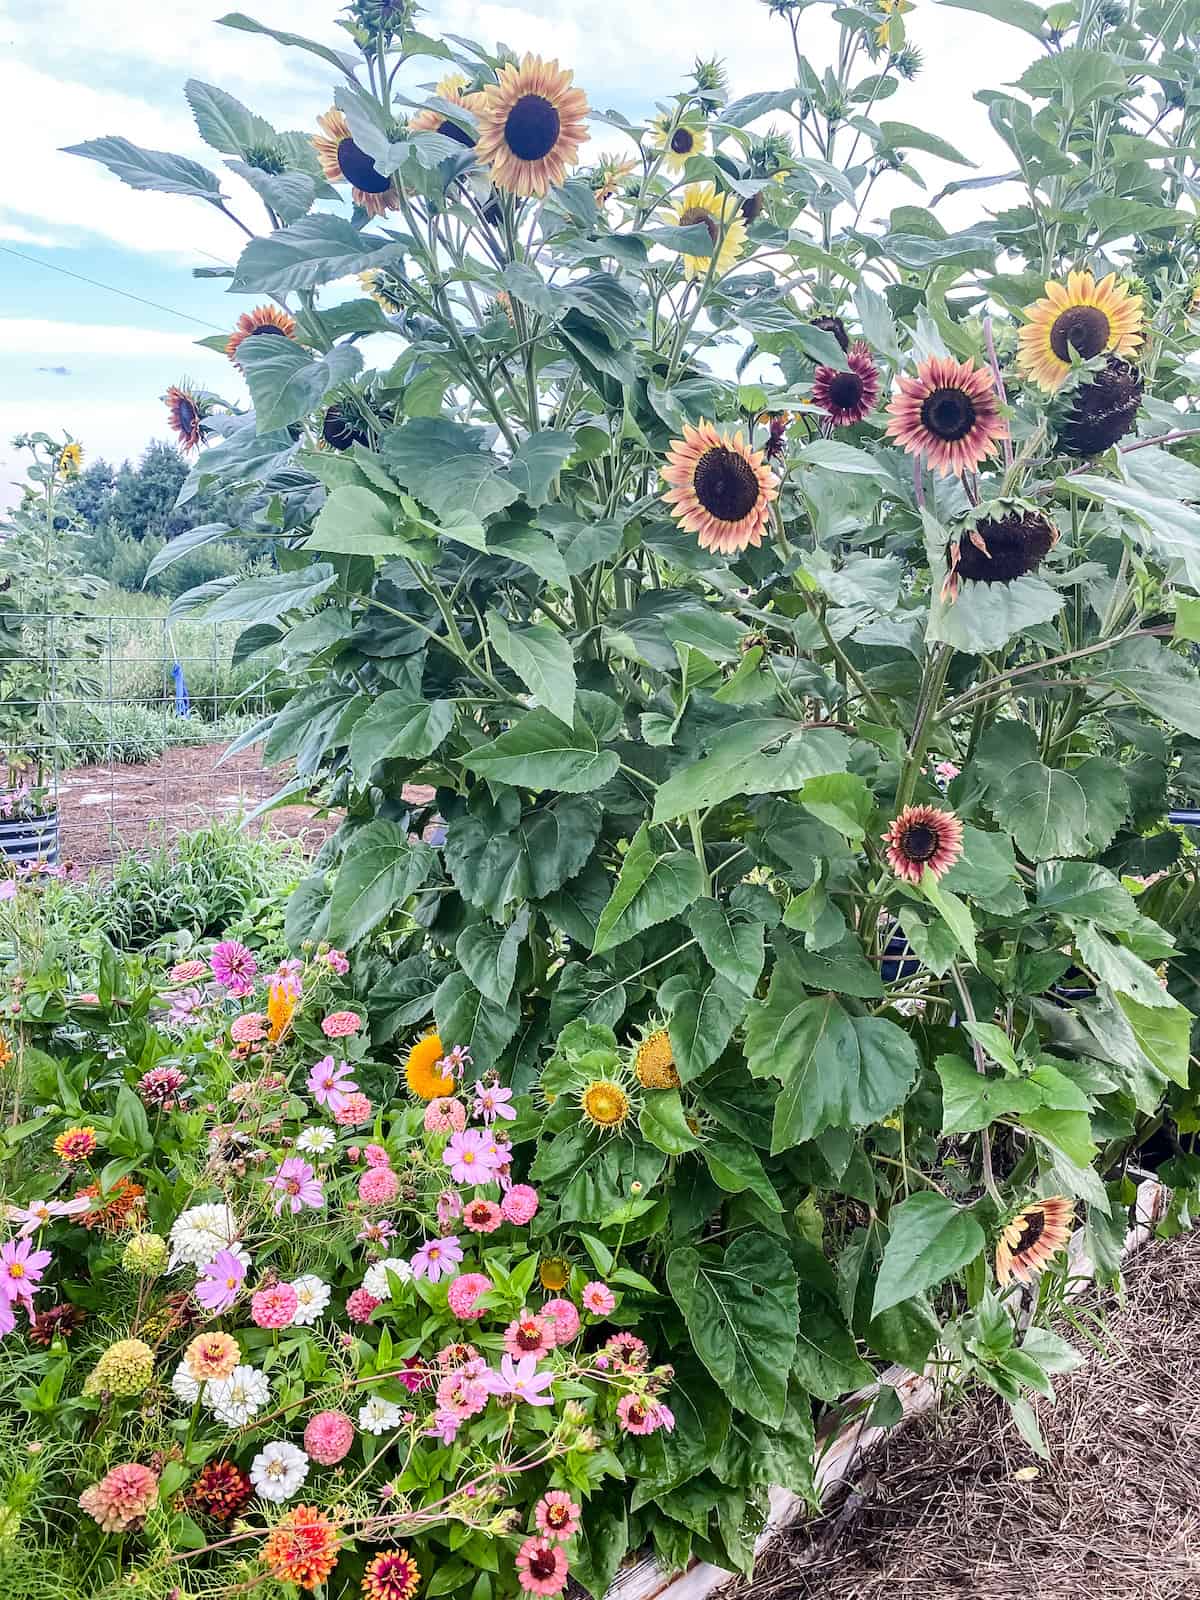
(531, 124)
(1031, 1239)
(719, 488)
(923, 837)
(211, 1355)
(948, 413)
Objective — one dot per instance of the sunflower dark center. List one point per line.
(1084, 329)
(1016, 545)
(451, 130)
(846, 391)
(358, 169)
(266, 327)
(697, 216)
(1032, 1228)
(683, 141)
(726, 484)
(542, 1563)
(340, 429)
(1104, 410)
(188, 416)
(531, 128)
(919, 841)
(948, 414)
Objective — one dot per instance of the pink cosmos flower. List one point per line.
(330, 1083)
(455, 1061)
(21, 1267)
(249, 1028)
(186, 1005)
(482, 1216)
(562, 1321)
(491, 1101)
(377, 1156)
(556, 1516)
(377, 1232)
(354, 1110)
(296, 1185)
(234, 967)
(437, 1258)
(469, 1157)
(274, 1307)
(337, 961)
(40, 1213)
(340, 1024)
(463, 1395)
(445, 1427)
(599, 1299)
(360, 1305)
(219, 1282)
(463, 1294)
(520, 1204)
(445, 1114)
(528, 1336)
(329, 1437)
(378, 1186)
(8, 1317)
(449, 1207)
(541, 1567)
(520, 1380)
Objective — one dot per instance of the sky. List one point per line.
(77, 355)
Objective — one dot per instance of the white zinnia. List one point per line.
(198, 1234)
(183, 1386)
(378, 1416)
(239, 1397)
(316, 1141)
(278, 1470)
(375, 1279)
(312, 1296)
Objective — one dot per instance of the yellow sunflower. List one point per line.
(890, 9)
(606, 1104)
(718, 488)
(1083, 316)
(343, 162)
(554, 1273)
(70, 459)
(678, 139)
(421, 1069)
(654, 1061)
(452, 89)
(720, 214)
(531, 124)
(383, 286)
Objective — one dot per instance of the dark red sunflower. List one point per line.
(1029, 1241)
(849, 395)
(186, 411)
(263, 319)
(343, 427)
(923, 837)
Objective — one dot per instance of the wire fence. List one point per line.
(135, 715)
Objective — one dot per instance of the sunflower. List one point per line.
(70, 459)
(186, 411)
(1011, 541)
(608, 177)
(342, 426)
(421, 1069)
(1102, 411)
(654, 1061)
(948, 413)
(890, 9)
(777, 424)
(263, 319)
(531, 124)
(847, 396)
(452, 89)
(923, 837)
(554, 1273)
(605, 1104)
(383, 286)
(343, 162)
(1032, 1238)
(719, 488)
(702, 206)
(1085, 317)
(678, 139)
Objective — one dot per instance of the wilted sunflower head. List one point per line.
(187, 407)
(1031, 1239)
(654, 1061)
(384, 287)
(1102, 411)
(342, 426)
(834, 325)
(1079, 320)
(1003, 541)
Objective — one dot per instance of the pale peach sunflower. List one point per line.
(718, 488)
(948, 413)
(342, 161)
(1030, 1240)
(531, 124)
(452, 90)
(923, 838)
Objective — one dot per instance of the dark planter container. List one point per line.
(30, 839)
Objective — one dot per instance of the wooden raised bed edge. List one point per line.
(843, 1448)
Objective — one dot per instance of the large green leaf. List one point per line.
(355, 521)
(314, 250)
(742, 760)
(1163, 1033)
(488, 956)
(650, 889)
(1050, 812)
(753, 1454)
(396, 726)
(225, 123)
(267, 599)
(469, 1018)
(448, 466)
(537, 461)
(1084, 890)
(286, 383)
(592, 1176)
(380, 869)
(541, 752)
(294, 41)
(929, 1238)
(903, 136)
(150, 169)
(703, 1014)
(741, 1315)
(1154, 677)
(732, 942)
(542, 658)
(972, 1100)
(492, 867)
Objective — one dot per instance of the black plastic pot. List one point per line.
(30, 838)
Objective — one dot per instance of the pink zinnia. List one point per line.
(219, 1282)
(638, 1415)
(274, 1307)
(329, 1437)
(160, 1085)
(599, 1299)
(556, 1516)
(445, 1115)
(561, 1319)
(469, 1157)
(187, 971)
(437, 1258)
(340, 1024)
(377, 1156)
(378, 1186)
(482, 1216)
(520, 1204)
(233, 966)
(331, 1083)
(21, 1267)
(296, 1185)
(360, 1305)
(354, 1110)
(463, 1294)
(491, 1101)
(337, 961)
(122, 1498)
(528, 1336)
(464, 1395)
(541, 1567)
(630, 1353)
(249, 1028)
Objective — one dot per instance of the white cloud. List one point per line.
(39, 336)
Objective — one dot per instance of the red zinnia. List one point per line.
(921, 837)
(220, 1491)
(849, 395)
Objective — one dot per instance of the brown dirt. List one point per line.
(957, 1507)
(105, 812)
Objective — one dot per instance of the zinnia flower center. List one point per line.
(683, 141)
(1084, 329)
(529, 1337)
(948, 414)
(556, 1516)
(697, 215)
(726, 484)
(358, 169)
(542, 1563)
(846, 390)
(531, 128)
(919, 841)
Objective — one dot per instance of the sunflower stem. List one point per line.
(931, 688)
(697, 832)
(985, 1138)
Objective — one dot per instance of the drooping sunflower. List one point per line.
(654, 1061)
(923, 837)
(383, 286)
(1006, 542)
(343, 162)
(1031, 1239)
(849, 395)
(421, 1069)
(1101, 412)
(452, 89)
(263, 319)
(948, 413)
(718, 488)
(531, 124)
(342, 426)
(186, 411)
(679, 139)
(608, 177)
(835, 326)
(1083, 316)
(70, 459)
(777, 424)
(720, 215)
